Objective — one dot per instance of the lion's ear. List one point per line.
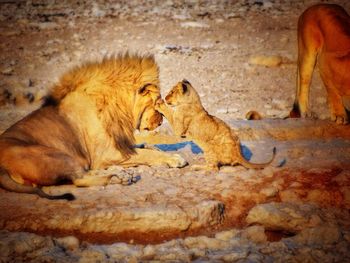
(144, 90)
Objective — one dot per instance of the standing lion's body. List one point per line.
(87, 123)
(188, 118)
(324, 38)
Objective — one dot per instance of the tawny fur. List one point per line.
(189, 119)
(324, 38)
(86, 123)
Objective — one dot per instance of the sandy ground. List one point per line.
(294, 213)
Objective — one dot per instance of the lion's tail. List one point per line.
(9, 184)
(248, 164)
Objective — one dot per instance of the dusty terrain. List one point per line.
(297, 210)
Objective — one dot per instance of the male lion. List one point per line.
(189, 119)
(324, 35)
(86, 123)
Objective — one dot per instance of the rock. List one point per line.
(207, 213)
(122, 251)
(226, 235)
(255, 233)
(267, 61)
(92, 255)
(22, 243)
(194, 24)
(222, 111)
(68, 242)
(318, 236)
(282, 216)
(45, 26)
(7, 71)
(149, 252)
(233, 255)
(174, 253)
(269, 191)
(268, 172)
(10, 33)
(290, 196)
(204, 242)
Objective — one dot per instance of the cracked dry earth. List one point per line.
(240, 55)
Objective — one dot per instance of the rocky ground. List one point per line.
(240, 55)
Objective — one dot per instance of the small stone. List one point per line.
(268, 172)
(321, 235)
(235, 256)
(45, 25)
(194, 24)
(267, 61)
(204, 242)
(269, 191)
(281, 216)
(255, 234)
(222, 111)
(226, 235)
(69, 242)
(149, 252)
(10, 33)
(92, 255)
(7, 71)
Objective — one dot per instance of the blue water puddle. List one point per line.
(194, 148)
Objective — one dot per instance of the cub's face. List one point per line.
(180, 94)
(145, 115)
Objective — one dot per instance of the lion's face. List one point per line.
(181, 93)
(145, 115)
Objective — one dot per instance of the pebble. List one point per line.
(267, 61)
(194, 24)
(226, 235)
(7, 71)
(255, 233)
(269, 191)
(68, 242)
(45, 26)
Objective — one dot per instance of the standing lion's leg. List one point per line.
(338, 112)
(154, 157)
(309, 44)
(306, 64)
(336, 106)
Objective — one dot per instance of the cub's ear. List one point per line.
(144, 90)
(184, 88)
(186, 81)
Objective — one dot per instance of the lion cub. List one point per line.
(189, 119)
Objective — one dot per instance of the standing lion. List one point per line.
(324, 40)
(86, 123)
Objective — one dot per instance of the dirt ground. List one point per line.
(296, 210)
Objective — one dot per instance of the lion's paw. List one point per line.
(340, 119)
(309, 114)
(124, 178)
(176, 161)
